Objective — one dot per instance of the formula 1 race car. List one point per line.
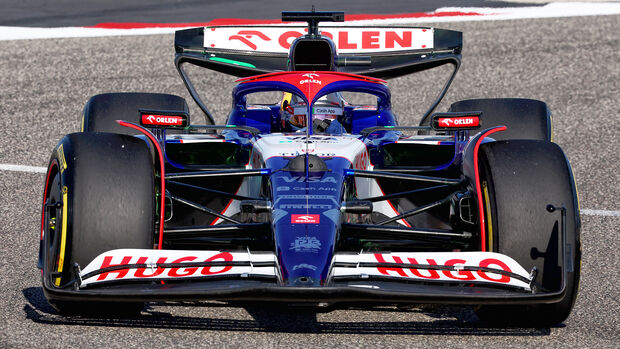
(312, 198)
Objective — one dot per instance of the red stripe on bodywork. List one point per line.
(162, 174)
(483, 237)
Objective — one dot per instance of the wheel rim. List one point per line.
(52, 220)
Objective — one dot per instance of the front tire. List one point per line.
(99, 196)
(519, 179)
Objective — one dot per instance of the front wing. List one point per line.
(420, 277)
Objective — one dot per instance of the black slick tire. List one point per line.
(102, 111)
(99, 196)
(519, 180)
(524, 118)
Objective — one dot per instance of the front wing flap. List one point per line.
(120, 265)
(443, 267)
(381, 277)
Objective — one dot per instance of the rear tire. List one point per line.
(102, 111)
(100, 196)
(524, 118)
(521, 178)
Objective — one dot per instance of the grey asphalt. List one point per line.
(572, 63)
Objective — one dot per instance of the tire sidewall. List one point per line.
(515, 156)
(81, 245)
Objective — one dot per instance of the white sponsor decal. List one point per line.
(312, 78)
(308, 206)
(457, 122)
(149, 119)
(300, 179)
(347, 40)
(306, 197)
(305, 218)
(319, 188)
(328, 110)
(153, 258)
(306, 244)
(304, 266)
(459, 260)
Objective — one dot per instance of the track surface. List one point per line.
(572, 63)
(58, 13)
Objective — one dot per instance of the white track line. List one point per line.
(603, 213)
(22, 168)
(444, 14)
(22, 33)
(37, 169)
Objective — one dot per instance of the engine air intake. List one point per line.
(312, 54)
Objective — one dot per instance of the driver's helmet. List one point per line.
(294, 110)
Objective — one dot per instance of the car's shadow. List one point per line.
(446, 320)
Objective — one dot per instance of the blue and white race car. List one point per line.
(312, 197)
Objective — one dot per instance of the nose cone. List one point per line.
(306, 217)
(305, 249)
